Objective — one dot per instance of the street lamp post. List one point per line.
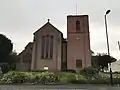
(107, 12)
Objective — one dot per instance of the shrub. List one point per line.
(91, 81)
(37, 70)
(14, 77)
(47, 77)
(80, 80)
(89, 71)
(58, 77)
(99, 81)
(65, 77)
(28, 77)
(116, 80)
(5, 68)
(1, 74)
(69, 71)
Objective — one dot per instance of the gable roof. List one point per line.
(48, 23)
(29, 45)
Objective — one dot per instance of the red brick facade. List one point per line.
(71, 53)
(78, 44)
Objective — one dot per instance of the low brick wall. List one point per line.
(58, 87)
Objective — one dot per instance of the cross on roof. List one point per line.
(48, 20)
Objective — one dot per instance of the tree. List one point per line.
(6, 47)
(101, 61)
(104, 60)
(94, 61)
(92, 52)
(7, 57)
(12, 58)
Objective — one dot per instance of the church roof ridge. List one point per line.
(45, 25)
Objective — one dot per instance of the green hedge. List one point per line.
(37, 71)
(89, 72)
(96, 79)
(14, 77)
(65, 77)
(28, 77)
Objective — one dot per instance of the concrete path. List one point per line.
(58, 87)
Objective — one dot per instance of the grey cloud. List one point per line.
(20, 18)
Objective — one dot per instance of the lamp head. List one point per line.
(108, 11)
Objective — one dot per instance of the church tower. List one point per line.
(78, 44)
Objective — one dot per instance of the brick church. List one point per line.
(50, 51)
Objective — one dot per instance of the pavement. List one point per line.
(58, 87)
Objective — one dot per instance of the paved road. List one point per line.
(58, 87)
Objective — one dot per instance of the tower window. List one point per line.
(77, 25)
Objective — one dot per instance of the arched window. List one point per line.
(78, 25)
(51, 47)
(47, 46)
(43, 47)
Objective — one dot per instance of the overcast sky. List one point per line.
(20, 18)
